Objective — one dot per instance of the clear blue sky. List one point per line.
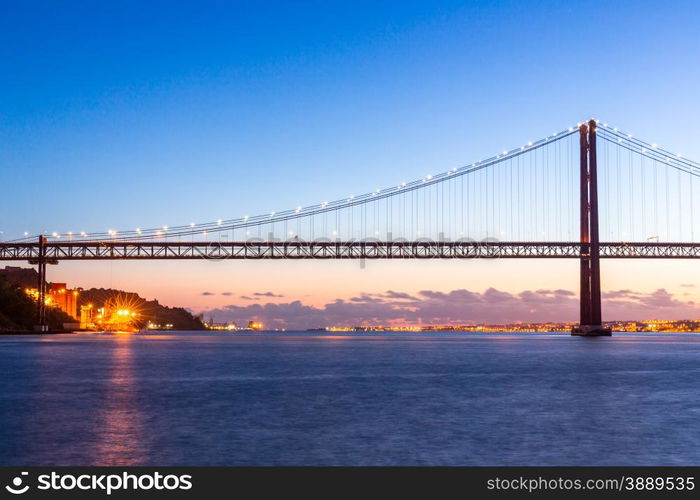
(201, 110)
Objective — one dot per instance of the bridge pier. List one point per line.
(41, 262)
(590, 324)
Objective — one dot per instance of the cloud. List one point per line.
(390, 294)
(207, 293)
(459, 306)
(227, 294)
(688, 285)
(266, 294)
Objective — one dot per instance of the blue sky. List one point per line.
(147, 113)
(245, 108)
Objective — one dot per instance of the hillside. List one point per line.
(19, 312)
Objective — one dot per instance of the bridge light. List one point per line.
(218, 222)
(245, 218)
(83, 233)
(605, 124)
(654, 146)
(26, 233)
(571, 129)
(298, 209)
(138, 230)
(165, 228)
(192, 224)
(529, 143)
(429, 176)
(678, 155)
(505, 152)
(272, 214)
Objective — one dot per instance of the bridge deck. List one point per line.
(139, 250)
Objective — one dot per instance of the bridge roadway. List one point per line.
(326, 250)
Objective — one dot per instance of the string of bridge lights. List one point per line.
(605, 131)
(649, 150)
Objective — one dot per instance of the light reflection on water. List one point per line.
(121, 439)
(349, 399)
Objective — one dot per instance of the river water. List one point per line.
(359, 399)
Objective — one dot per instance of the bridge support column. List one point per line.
(590, 323)
(41, 287)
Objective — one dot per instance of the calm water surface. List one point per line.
(201, 399)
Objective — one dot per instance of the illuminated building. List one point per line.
(60, 297)
(118, 314)
(255, 325)
(66, 300)
(86, 317)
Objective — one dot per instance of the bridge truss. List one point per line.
(325, 250)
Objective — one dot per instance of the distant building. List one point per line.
(63, 298)
(87, 317)
(255, 325)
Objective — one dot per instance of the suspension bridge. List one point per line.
(587, 192)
